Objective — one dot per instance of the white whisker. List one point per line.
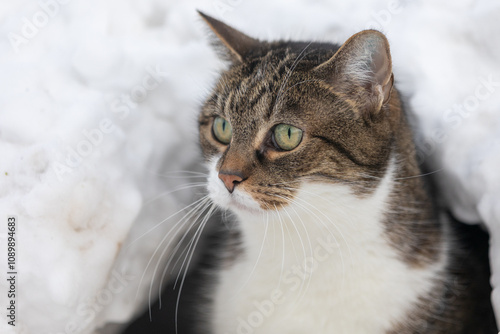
(163, 221)
(199, 232)
(181, 222)
(183, 187)
(201, 207)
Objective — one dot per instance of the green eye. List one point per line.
(222, 130)
(287, 137)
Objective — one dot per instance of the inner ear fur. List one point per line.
(364, 61)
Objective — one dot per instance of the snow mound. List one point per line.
(98, 124)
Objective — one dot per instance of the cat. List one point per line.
(334, 229)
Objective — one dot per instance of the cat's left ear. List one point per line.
(237, 44)
(364, 60)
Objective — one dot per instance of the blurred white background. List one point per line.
(98, 110)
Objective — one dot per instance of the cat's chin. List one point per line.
(237, 207)
(238, 202)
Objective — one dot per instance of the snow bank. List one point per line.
(98, 121)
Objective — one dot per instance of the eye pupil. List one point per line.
(289, 133)
(224, 126)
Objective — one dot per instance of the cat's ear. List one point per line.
(364, 60)
(237, 44)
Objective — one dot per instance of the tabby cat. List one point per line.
(308, 146)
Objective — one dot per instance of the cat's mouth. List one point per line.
(239, 201)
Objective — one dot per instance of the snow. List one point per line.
(98, 121)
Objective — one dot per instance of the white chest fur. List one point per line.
(323, 265)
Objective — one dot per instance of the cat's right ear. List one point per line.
(362, 66)
(236, 45)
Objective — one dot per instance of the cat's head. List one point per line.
(289, 113)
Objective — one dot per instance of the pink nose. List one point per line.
(230, 180)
